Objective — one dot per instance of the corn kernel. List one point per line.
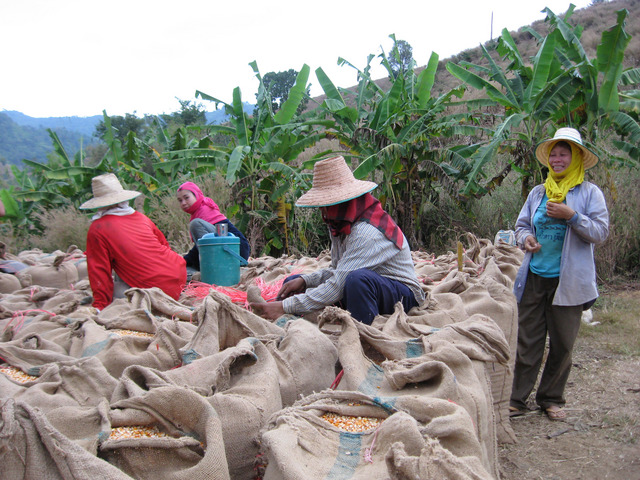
(16, 374)
(131, 333)
(119, 433)
(350, 423)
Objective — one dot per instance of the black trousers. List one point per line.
(537, 317)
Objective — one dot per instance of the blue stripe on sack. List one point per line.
(94, 349)
(189, 356)
(372, 380)
(371, 386)
(414, 348)
(347, 458)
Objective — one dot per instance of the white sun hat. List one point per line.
(333, 183)
(107, 191)
(571, 135)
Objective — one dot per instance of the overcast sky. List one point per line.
(80, 57)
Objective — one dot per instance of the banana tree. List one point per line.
(531, 95)
(260, 157)
(390, 134)
(558, 88)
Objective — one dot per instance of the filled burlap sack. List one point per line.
(58, 274)
(242, 383)
(31, 447)
(305, 357)
(9, 283)
(141, 309)
(81, 267)
(188, 445)
(496, 300)
(300, 442)
(449, 365)
(456, 298)
(30, 353)
(222, 324)
(117, 349)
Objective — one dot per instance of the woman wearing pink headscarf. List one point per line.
(205, 213)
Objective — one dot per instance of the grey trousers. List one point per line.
(537, 317)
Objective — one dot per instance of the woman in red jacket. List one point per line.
(126, 242)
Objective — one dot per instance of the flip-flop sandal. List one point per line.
(516, 412)
(556, 413)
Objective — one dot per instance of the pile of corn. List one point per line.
(131, 333)
(16, 374)
(119, 433)
(349, 423)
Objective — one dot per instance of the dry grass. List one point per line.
(618, 311)
(61, 228)
(599, 439)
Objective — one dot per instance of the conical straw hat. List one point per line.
(333, 183)
(107, 191)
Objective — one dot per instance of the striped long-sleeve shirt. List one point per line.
(364, 247)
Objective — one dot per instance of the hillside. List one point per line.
(594, 19)
(24, 137)
(30, 140)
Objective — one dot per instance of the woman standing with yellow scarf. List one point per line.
(558, 226)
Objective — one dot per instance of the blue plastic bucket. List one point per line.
(220, 259)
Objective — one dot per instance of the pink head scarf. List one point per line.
(204, 207)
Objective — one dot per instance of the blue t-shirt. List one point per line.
(550, 233)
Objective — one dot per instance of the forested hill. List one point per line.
(23, 137)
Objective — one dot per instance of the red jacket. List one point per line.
(139, 253)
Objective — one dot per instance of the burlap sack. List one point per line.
(496, 300)
(30, 353)
(9, 283)
(222, 324)
(305, 358)
(72, 394)
(140, 309)
(117, 350)
(432, 462)
(81, 267)
(450, 366)
(459, 296)
(193, 448)
(30, 447)
(299, 443)
(78, 382)
(49, 327)
(18, 303)
(64, 302)
(60, 274)
(242, 385)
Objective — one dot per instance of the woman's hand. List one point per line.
(270, 310)
(292, 287)
(531, 244)
(560, 210)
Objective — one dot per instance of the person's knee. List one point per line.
(358, 277)
(198, 227)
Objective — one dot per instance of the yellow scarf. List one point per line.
(558, 184)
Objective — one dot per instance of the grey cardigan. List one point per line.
(577, 282)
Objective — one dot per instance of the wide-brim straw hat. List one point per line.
(333, 183)
(571, 135)
(107, 191)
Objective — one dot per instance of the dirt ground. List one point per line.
(600, 439)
